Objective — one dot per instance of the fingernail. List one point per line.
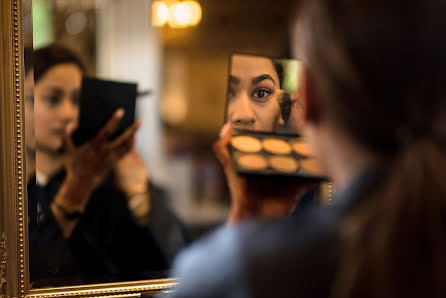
(120, 113)
(224, 130)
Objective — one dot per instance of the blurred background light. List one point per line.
(178, 14)
(160, 13)
(195, 8)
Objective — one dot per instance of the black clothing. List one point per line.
(106, 244)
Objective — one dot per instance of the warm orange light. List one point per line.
(184, 14)
(160, 13)
(179, 15)
(195, 8)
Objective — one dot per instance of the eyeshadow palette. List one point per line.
(262, 153)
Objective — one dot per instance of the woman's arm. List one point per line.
(86, 168)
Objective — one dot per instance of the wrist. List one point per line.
(264, 208)
(73, 194)
(238, 213)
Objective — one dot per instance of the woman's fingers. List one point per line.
(123, 148)
(221, 149)
(236, 183)
(110, 127)
(126, 135)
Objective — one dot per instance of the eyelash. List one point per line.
(267, 91)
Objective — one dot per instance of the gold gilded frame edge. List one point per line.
(14, 275)
(108, 289)
(13, 263)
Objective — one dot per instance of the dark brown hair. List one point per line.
(53, 55)
(379, 69)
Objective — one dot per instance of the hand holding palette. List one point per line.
(272, 154)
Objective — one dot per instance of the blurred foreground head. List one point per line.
(378, 71)
(379, 66)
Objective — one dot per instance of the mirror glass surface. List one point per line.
(121, 209)
(263, 94)
(95, 213)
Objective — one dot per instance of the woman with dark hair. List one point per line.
(81, 228)
(374, 89)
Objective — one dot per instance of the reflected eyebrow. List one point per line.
(234, 80)
(261, 78)
(55, 90)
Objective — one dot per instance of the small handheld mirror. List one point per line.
(261, 92)
(265, 112)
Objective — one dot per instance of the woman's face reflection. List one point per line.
(56, 96)
(253, 95)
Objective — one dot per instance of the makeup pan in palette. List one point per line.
(260, 153)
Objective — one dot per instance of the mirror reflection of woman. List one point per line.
(80, 223)
(254, 93)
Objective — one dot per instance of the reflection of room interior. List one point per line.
(185, 70)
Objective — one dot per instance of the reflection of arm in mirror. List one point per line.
(149, 204)
(133, 179)
(85, 188)
(86, 168)
(105, 242)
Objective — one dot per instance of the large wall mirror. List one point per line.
(97, 200)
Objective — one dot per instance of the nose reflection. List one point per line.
(243, 116)
(68, 111)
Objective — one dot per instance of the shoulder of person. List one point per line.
(228, 262)
(210, 266)
(293, 257)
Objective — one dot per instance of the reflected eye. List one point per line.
(261, 94)
(53, 100)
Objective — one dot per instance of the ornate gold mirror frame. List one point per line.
(14, 273)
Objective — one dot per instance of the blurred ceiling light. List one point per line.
(195, 8)
(160, 13)
(178, 14)
(76, 23)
